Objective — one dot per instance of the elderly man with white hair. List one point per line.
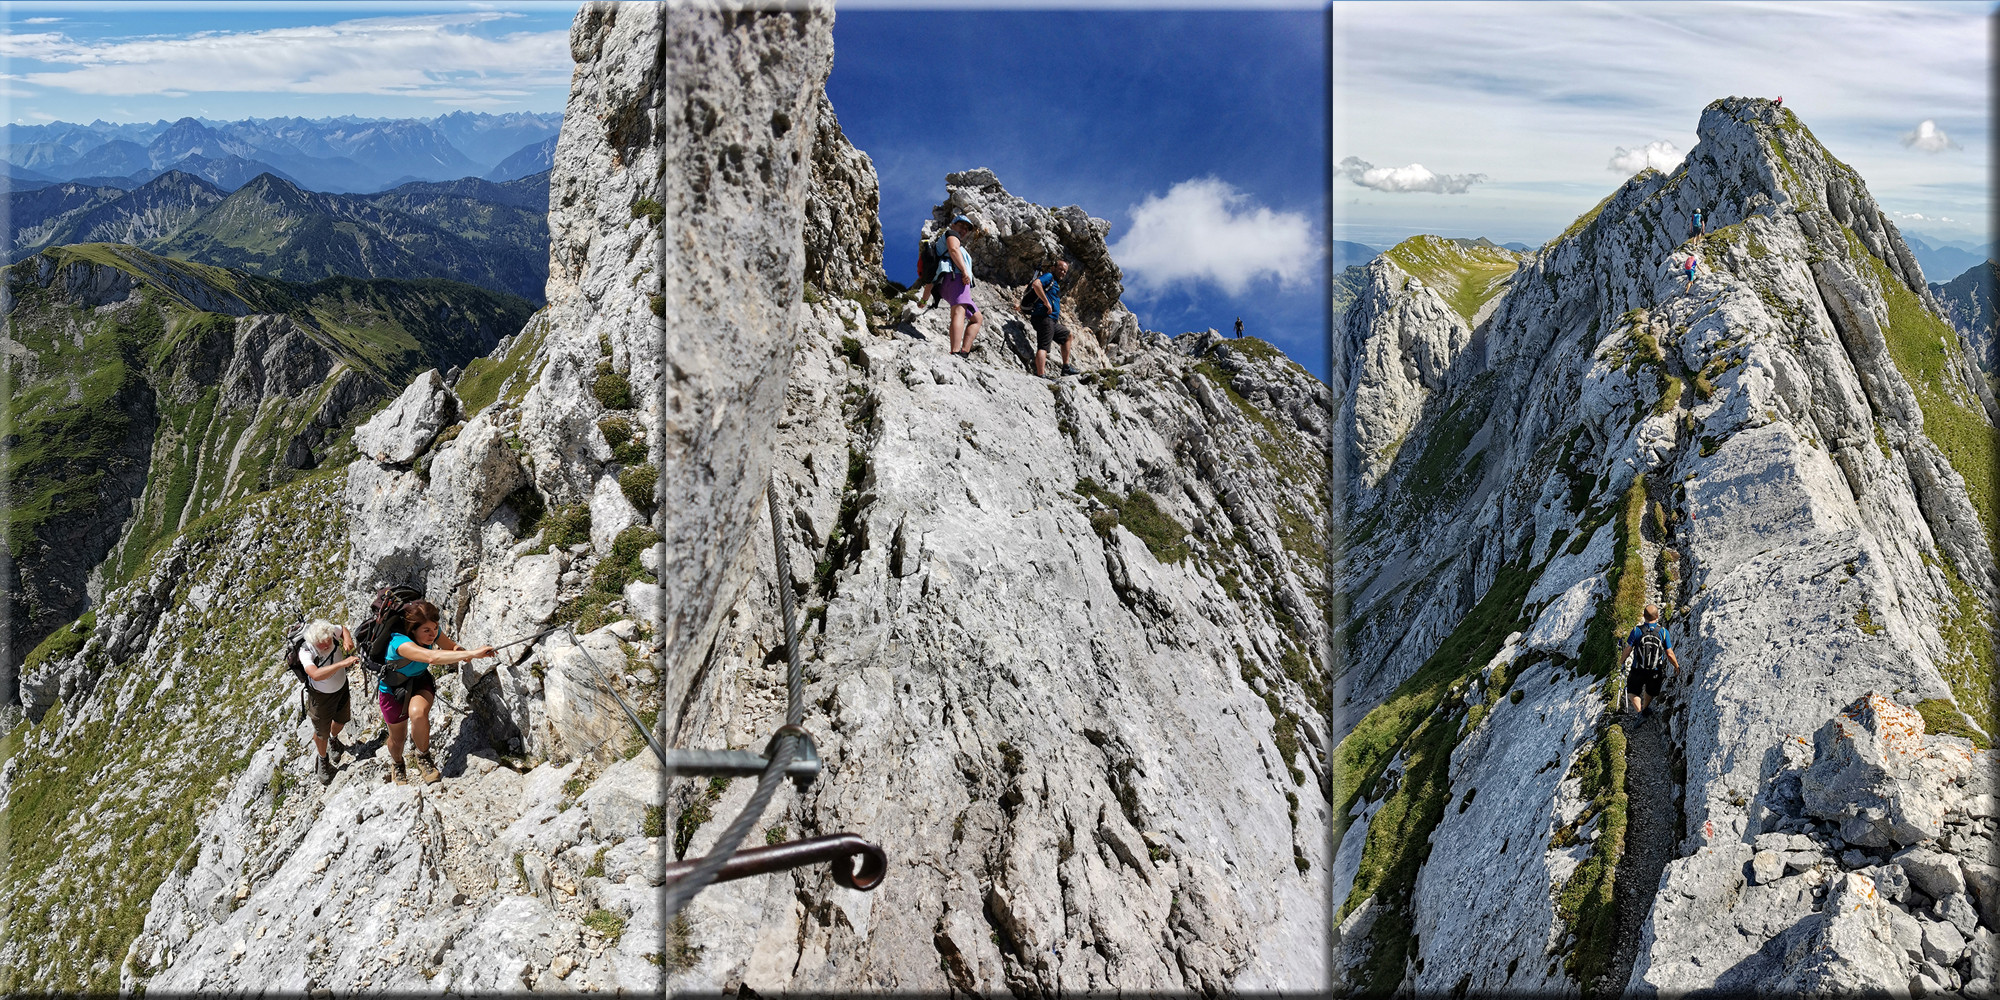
(326, 681)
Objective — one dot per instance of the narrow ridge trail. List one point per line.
(1650, 832)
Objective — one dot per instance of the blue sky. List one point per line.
(126, 62)
(1200, 135)
(1553, 105)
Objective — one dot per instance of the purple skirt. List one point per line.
(952, 290)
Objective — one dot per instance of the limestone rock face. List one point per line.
(513, 513)
(1023, 597)
(1755, 452)
(843, 224)
(403, 430)
(740, 116)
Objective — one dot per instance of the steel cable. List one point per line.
(684, 889)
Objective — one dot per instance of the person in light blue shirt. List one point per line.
(406, 689)
(1650, 647)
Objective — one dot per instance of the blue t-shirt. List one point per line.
(1054, 290)
(1666, 638)
(406, 667)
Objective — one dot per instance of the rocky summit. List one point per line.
(1062, 639)
(1789, 451)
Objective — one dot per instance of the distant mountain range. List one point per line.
(339, 155)
(469, 230)
(1941, 259)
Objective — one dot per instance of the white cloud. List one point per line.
(417, 56)
(1402, 180)
(1929, 138)
(1206, 230)
(1659, 154)
(40, 20)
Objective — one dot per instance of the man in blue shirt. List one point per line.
(1044, 309)
(1649, 646)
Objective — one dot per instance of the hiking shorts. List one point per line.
(1644, 682)
(951, 288)
(394, 712)
(327, 709)
(1047, 330)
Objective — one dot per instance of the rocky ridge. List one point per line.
(518, 496)
(1061, 638)
(1791, 454)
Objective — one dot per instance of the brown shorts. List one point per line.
(327, 709)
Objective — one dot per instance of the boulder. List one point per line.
(1957, 910)
(1766, 866)
(1984, 882)
(1942, 943)
(1938, 875)
(1850, 946)
(1873, 774)
(400, 433)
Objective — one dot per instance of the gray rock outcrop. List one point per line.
(1021, 598)
(740, 115)
(406, 428)
(1017, 238)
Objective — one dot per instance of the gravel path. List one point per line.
(1650, 830)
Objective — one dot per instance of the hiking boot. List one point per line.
(396, 772)
(427, 771)
(336, 749)
(324, 769)
(1067, 370)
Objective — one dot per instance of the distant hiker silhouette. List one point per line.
(1239, 327)
(1780, 102)
(1698, 230)
(1690, 272)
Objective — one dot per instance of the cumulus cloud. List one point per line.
(1206, 230)
(1929, 138)
(1400, 180)
(1659, 154)
(416, 56)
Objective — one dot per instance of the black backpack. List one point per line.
(295, 640)
(927, 260)
(385, 617)
(1031, 304)
(1651, 652)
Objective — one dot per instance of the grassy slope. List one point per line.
(66, 410)
(1923, 347)
(100, 811)
(1467, 276)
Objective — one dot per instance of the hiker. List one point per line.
(1043, 304)
(1239, 328)
(1690, 273)
(1648, 646)
(955, 284)
(1698, 231)
(326, 688)
(420, 645)
(1780, 102)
